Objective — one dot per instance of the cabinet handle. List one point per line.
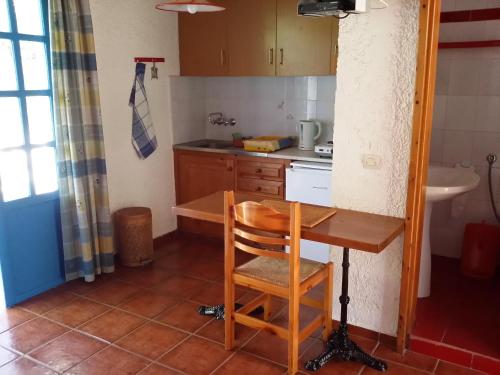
(271, 56)
(281, 56)
(222, 57)
(258, 170)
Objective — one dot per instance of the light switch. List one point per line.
(371, 161)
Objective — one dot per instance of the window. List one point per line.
(27, 148)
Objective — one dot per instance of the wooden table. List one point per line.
(348, 229)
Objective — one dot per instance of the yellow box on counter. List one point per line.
(267, 143)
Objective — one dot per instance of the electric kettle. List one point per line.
(309, 132)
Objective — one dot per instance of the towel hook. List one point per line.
(154, 71)
(154, 60)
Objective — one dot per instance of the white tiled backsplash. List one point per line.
(260, 105)
(466, 124)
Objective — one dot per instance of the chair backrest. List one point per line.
(251, 224)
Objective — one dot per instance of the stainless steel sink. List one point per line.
(215, 145)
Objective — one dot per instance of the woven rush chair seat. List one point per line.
(262, 231)
(276, 271)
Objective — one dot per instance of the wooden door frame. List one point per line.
(419, 161)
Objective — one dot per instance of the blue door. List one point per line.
(30, 239)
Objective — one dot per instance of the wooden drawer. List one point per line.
(258, 169)
(261, 187)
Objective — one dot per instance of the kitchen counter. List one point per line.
(226, 147)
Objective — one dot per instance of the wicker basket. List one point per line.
(134, 236)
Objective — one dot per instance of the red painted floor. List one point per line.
(460, 321)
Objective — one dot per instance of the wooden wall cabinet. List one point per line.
(252, 37)
(203, 43)
(335, 46)
(304, 44)
(257, 38)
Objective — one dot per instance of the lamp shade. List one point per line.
(190, 6)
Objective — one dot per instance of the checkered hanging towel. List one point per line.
(143, 135)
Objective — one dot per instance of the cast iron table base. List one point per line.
(339, 346)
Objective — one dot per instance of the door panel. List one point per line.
(304, 44)
(30, 247)
(252, 37)
(30, 229)
(203, 43)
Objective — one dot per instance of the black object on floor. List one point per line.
(218, 310)
(339, 347)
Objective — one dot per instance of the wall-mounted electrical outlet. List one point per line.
(371, 161)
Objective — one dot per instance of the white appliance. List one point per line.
(324, 150)
(322, 8)
(310, 182)
(309, 132)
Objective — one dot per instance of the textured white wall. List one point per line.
(373, 115)
(123, 30)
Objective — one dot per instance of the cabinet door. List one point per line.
(203, 43)
(198, 175)
(201, 174)
(252, 37)
(304, 43)
(335, 46)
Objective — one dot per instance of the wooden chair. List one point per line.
(252, 228)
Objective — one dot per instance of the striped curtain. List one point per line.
(85, 214)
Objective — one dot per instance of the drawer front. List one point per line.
(261, 187)
(260, 170)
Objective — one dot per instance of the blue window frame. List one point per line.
(27, 139)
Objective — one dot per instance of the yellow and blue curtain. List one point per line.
(85, 213)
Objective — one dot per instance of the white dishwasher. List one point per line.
(310, 182)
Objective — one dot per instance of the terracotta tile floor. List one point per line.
(145, 321)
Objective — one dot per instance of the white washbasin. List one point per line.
(445, 183)
(442, 183)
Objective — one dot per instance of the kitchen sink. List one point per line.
(215, 145)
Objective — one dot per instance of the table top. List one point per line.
(347, 228)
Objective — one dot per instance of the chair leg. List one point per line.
(267, 308)
(228, 315)
(328, 302)
(293, 336)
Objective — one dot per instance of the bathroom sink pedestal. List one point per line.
(443, 183)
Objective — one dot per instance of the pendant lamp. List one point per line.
(190, 6)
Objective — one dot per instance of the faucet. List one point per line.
(217, 118)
